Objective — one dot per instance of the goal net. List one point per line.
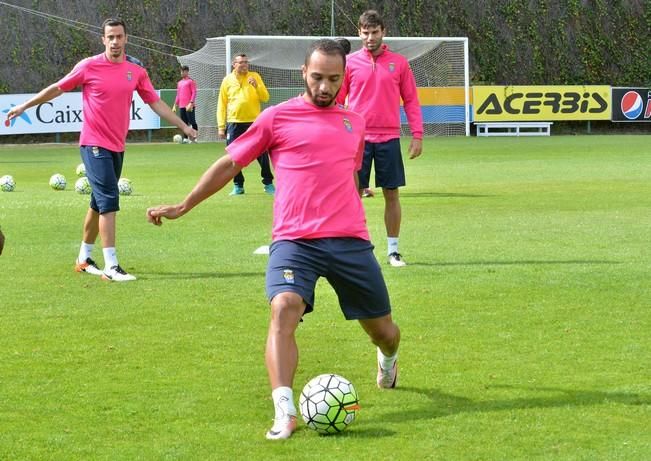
(439, 64)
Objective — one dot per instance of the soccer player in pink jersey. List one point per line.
(319, 227)
(186, 95)
(107, 83)
(376, 80)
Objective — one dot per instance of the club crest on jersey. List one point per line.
(288, 274)
(129, 75)
(392, 67)
(348, 125)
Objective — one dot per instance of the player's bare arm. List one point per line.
(415, 148)
(214, 179)
(164, 111)
(44, 95)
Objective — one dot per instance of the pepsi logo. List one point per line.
(632, 105)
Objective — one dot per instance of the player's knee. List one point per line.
(391, 195)
(286, 310)
(385, 333)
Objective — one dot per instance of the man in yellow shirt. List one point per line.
(240, 95)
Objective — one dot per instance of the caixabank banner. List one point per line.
(64, 114)
(631, 104)
(541, 103)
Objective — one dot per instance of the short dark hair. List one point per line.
(370, 18)
(185, 68)
(241, 55)
(344, 42)
(113, 22)
(326, 46)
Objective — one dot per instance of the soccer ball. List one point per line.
(82, 186)
(58, 182)
(7, 183)
(81, 170)
(124, 186)
(177, 138)
(328, 403)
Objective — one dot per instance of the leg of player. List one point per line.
(85, 262)
(281, 358)
(265, 173)
(112, 269)
(392, 218)
(385, 334)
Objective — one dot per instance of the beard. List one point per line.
(320, 99)
(373, 47)
(116, 53)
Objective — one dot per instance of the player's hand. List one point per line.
(415, 148)
(221, 134)
(190, 132)
(156, 214)
(189, 107)
(252, 82)
(174, 108)
(15, 111)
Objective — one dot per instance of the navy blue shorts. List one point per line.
(389, 169)
(347, 263)
(103, 169)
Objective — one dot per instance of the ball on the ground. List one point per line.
(125, 187)
(7, 183)
(328, 403)
(82, 186)
(58, 182)
(177, 138)
(80, 170)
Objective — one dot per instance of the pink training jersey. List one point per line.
(186, 92)
(374, 86)
(315, 151)
(107, 91)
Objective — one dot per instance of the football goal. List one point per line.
(439, 64)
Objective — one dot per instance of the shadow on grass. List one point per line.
(26, 161)
(530, 262)
(362, 433)
(198, 275)
(443, 404)
(441, 195)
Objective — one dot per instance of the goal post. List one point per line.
(439, 64)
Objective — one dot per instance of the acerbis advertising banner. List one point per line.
(539, 102)
(631, 104)
(64, 114)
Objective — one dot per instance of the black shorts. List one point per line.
(389, 169)
(347, 263)
(103, 169)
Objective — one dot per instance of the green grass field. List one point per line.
(525, 312)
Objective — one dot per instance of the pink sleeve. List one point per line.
(75, 78)
(343, 91)
(193, 92)
(176, 100)
(360, 154)
(409, 95)
(146, 90)
(256, 140)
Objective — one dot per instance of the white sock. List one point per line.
(392, 245)
(283, 398)
(386, 363)
(85, 251)
(110, 257)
